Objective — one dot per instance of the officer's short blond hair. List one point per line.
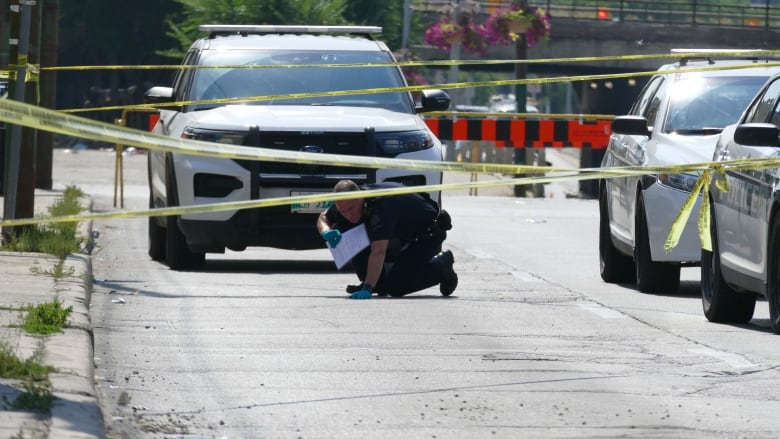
(346, 186)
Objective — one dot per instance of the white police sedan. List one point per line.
(744, 263)
(675, 120)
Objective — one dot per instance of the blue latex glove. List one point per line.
(362, 294)
(333, 237)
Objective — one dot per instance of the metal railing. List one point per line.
(760, 15)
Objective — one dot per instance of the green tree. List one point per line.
(389, 15)
(197, 12)
(98, 32)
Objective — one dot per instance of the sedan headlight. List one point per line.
(393, 144)
(227, 137)
(683, 182)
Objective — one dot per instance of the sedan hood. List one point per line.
(309, 118)
(669, 149)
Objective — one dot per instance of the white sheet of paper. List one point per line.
(353, 241)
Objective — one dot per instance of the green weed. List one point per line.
(37, 394)
(58, 239)
(13, 367)
(57, 272)
(37, 397)
(46, 318)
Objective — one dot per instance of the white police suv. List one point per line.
(317, 64)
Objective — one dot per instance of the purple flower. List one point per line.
(499, 28)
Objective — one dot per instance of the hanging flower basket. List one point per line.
(505, 26)
(518, 25)
(443, 35)
(455, 38)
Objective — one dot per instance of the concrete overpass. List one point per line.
(587, 28)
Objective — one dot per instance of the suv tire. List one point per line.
(156, 232)
(178, 256)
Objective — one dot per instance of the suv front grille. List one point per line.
(359, 144)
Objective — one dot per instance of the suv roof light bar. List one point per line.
(226, 29)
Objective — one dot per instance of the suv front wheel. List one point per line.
(178, 256)
(155, 230)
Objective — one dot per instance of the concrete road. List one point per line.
(264, 343)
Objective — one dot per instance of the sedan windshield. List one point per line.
(701, 105)
(265, 80)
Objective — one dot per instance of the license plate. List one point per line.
(315, 207)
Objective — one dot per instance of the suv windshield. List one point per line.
(218, 83)
(698, 104)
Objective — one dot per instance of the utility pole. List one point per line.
(48, 81)
(5, 38)
(406, 30)
(19, 195)
(455, 54)
(521, 71)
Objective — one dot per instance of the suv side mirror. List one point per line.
(433, 100)
(630, 125)
(157, 95)
(757, 134)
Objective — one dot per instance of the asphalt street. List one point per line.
(76, 412)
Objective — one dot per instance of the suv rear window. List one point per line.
(218, 83)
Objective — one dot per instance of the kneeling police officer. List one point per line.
(406, 232)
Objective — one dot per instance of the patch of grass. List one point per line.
(29, 370)
(37, 394)
(57, 272)
(46, 318)
(59, 239)
(37, 397)
(29, 434)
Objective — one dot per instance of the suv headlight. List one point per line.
(228, 137)
(683, 182)
(398, 143)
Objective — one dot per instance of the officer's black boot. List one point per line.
(449, 279)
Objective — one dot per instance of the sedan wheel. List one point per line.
(615, 266)
(651, 276)
(720, 302)
(773, 287)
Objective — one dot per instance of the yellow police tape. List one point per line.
(43, 119)
(38, 118)
(429, 63)
(411, 88)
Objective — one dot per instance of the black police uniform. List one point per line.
(408, 221)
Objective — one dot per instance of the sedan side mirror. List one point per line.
(757, 134)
